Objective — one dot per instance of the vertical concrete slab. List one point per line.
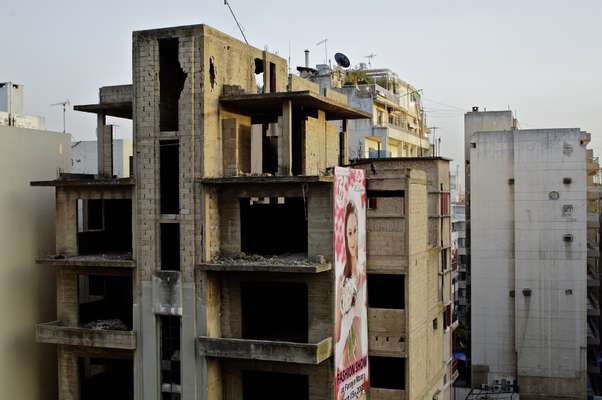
(285, 140)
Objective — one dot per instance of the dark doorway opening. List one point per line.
(274, 311)
(170, 247)
(386, 291)
(387, 372)
(259, 385)
(105, 302)
(170, 357)
(275, 227)
(169, 176)
(105, 378)
(104, 226)
(171, 83)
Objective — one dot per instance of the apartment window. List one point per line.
(447, 316)
(259, 73)
(169, 154)
(386, 291)
(171, 83)
(170, 358)
(387, 372)
(272, 77)
(170, 246)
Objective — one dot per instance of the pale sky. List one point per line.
(540, 58)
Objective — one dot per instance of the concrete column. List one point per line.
(285, 140)
(266, 73)
(67, 301)
(257, 149)
(68, 375)
(104, 144)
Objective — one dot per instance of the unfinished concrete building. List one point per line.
(208, 274)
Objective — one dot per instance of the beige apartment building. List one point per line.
(208, 274)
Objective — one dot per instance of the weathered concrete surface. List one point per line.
(297, 353)
(57, 333)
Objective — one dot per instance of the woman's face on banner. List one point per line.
(351, 233)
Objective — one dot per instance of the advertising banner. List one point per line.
(351, 310)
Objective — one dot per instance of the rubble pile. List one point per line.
(107, 325)
(250, 259)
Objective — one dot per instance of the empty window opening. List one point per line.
(269, 151)
(386, 291)
(260, 385)
(169, 176)
(259, 73)
(105, 378)
(387, 372)
(104, 226)
(170, 358)
(272, 77)
(212, 73)
(274, 228)
(170, 247)
(274, 311)
(171, 83)
(105, 302)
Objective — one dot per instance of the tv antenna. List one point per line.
(325, 43)
(64, 104)
(236, 20)
(370, 57)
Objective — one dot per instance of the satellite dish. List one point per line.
(342, 60)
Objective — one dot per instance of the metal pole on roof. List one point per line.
(236, 20)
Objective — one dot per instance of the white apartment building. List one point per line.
(527, 191)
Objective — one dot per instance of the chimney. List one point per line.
(306, 58)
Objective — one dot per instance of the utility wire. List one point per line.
(236, 20)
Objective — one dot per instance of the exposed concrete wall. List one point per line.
(529, 284)
(27, 290)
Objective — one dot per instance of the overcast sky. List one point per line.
(540, 58)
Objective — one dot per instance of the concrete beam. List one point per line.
(297, 353)
(56, 333)
(285, 140)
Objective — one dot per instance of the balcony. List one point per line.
(102, 261)
(387, 394)
(56, 333)
(257, 263)
(266, 350)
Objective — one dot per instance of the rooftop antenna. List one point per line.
(370, 57)
(325, 43)
(64, 104)
(236, 20)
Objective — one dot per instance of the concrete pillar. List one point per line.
(67, 301)
(104, 144)
(266, 73)
(285, 140)
(68, 374)
(257, 149)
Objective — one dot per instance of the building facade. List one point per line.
(27, 293)
(527, 191)
(209, 273)
(397, 127)
(11, 108)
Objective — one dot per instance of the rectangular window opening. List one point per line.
(169, 160)
(260, 385)
(275, 228)
(106, 378)
(386, 291)
(105, 302)
(170, 247)
(387, 372)
(104, 226)
(265, 318)
(171, 83)
(272, 77)
(170, 358)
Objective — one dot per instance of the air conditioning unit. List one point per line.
(485, 386)
(497, 388)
